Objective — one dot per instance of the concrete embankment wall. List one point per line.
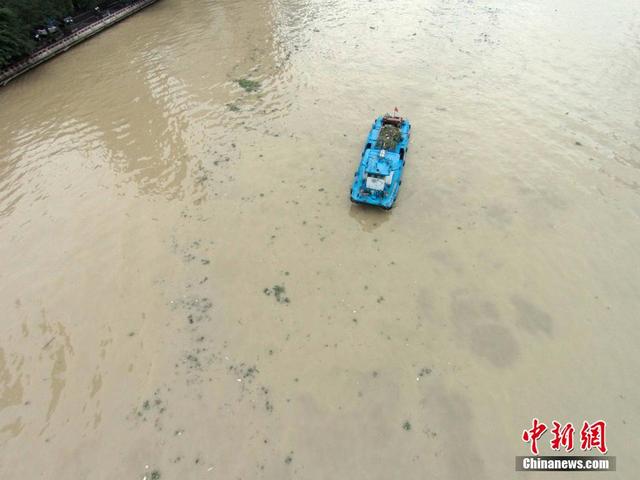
(69, 41)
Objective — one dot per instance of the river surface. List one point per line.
(188, 293)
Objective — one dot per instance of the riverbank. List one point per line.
(61, 46)
(166, 186)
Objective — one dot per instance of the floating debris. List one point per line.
(243, 372)
(151, 409)
(249, 85)
(198, 308)
(278, 292)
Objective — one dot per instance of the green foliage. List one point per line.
(249, 85)
(14, 39)
(81, 5)
(35, 12)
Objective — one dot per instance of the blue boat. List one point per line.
(379, 176)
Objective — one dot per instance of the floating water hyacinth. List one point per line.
(249, 85)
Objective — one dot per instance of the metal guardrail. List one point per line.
(69, 41)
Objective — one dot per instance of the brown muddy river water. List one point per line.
(187, 292)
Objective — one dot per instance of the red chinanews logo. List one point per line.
(592, 435)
